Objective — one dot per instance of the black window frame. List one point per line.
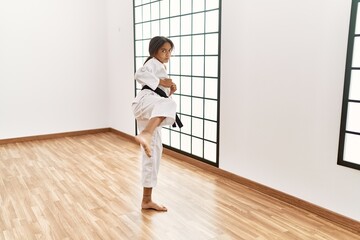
(179, 94)
(348, 71)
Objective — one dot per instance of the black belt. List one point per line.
(161, 93)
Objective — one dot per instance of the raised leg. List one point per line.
(144, 138)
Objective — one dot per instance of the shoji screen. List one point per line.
(194, 27)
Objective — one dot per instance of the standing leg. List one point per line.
(147, 202)
(144, 138)
(150, 168)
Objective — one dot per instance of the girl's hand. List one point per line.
(173, 89)
(166, 82)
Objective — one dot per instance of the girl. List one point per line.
(153, 111)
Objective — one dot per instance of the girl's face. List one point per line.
(164, 53)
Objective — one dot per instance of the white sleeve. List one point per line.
(146, 75)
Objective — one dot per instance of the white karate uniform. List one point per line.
(147, 105)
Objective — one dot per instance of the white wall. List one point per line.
(53, 66)
(121, 65)
(281, 94)
(65, 66)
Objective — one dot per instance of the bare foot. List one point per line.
(144, 139)
(153, 206)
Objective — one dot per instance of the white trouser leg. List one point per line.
(150, 166)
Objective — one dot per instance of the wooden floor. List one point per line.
(87, 187)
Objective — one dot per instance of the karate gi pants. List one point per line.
(146, 107)
(150, 165)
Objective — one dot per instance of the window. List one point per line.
(349, 147)
(194, 27)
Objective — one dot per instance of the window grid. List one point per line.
(349, 143)
(194, 104)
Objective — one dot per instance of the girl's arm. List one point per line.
(166, 82)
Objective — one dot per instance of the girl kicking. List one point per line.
(153, 108)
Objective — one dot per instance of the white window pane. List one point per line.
(176, 41)
(146, 47)
(174, 65)
(164, 27)
(146, 30)
(176, 80)
(139, 48)
(138, 14)
(211, 88)
(187, 124)
(186, 25)
(186, 65)
(137, 2)
(210, 131)
(198, 87)
(357, 29)
(352, 149)
(210, 110)
(164, 8)
(198, 5)
(353, 117)
(138, 31)
(174, 7)
(145, 1)
(155, 11)
(175, 139)
(197, 147)
(165, 136)
(155, 28)
(197, 127)
(186, 46)
(186, 105)
(212, 4)
(212, 21)
(176, 98)
(186, 143)
(198, 107)
(146, 12)
(139, 63)
(211, 66)
(356, 53)
(211, 43)
(198, 23)
(198, 43)
(210, 151)
(175, 26)
(198, 66)
(186, 6)
(185, 85)
(354, 93)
